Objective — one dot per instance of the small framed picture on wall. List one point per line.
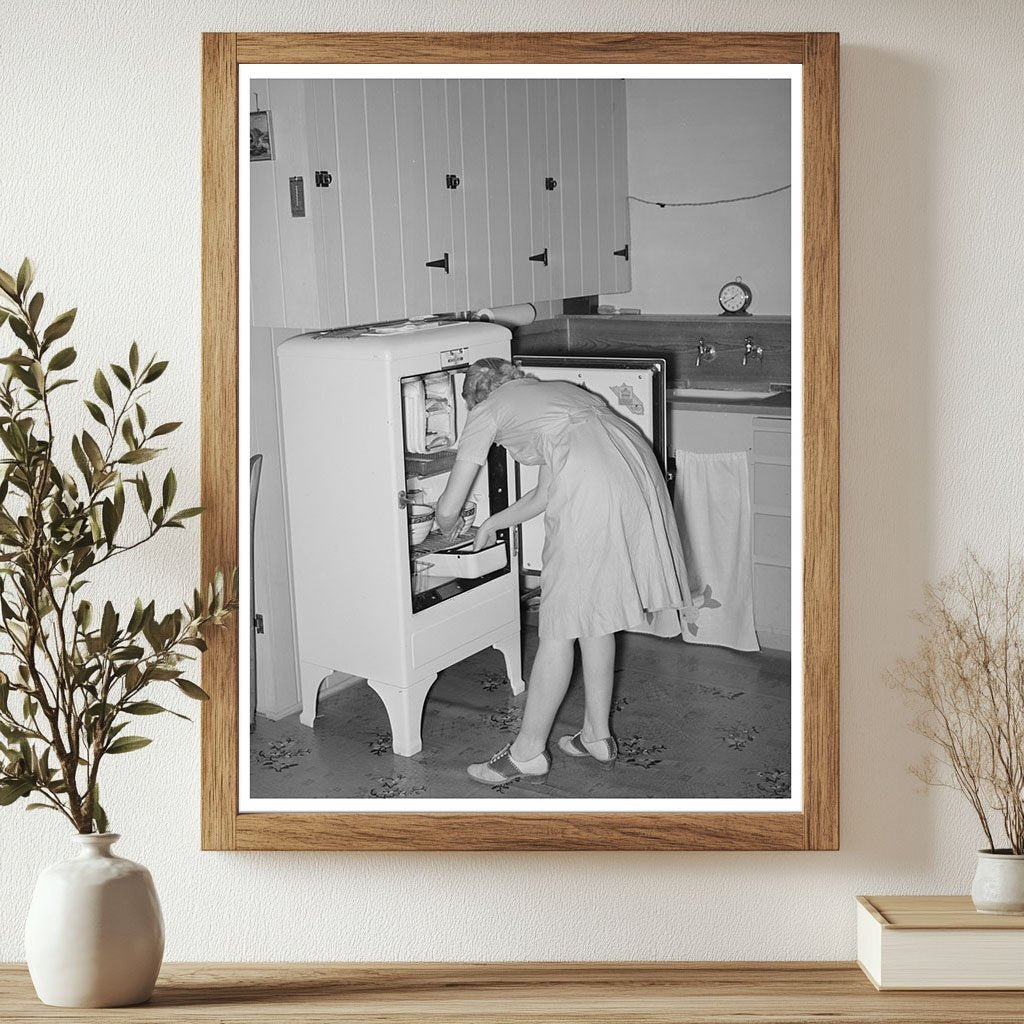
(261, 145)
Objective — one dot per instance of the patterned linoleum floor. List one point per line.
(692, 723)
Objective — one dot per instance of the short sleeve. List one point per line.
(478, 435)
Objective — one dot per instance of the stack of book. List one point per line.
(938, 942)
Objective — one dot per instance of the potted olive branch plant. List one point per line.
(74, 672)
(967, 682)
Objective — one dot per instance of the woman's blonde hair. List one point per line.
(486, 376)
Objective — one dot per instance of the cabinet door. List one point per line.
(569, 188)
(499, 228)
(458, 262)
(474, 184)
(374, 223)
(621, 188)
(519, 175)
(607, 224)
(353, 183)
(590, 249)
(412, 198)
(439, 162)
(553, 169)
(540, 211)
(385, 198)
(330, 228)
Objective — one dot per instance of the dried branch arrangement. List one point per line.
(73, 674)
(967, 678)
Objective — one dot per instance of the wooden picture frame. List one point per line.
(816, 827)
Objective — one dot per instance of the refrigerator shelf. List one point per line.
(437, 543)
(430, 463)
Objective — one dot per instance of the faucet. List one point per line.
(750, 349)
(705, 351)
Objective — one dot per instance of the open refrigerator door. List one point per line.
(633, 388)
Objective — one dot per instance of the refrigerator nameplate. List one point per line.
(453, 357)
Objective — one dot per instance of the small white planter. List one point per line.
(999, 883)
(95, 934)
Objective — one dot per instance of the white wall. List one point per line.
(695, 141)
(100, 172)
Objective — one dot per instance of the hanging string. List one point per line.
(711, 202)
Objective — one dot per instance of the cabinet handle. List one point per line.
(541, 257)
(550, 184)
(623, 252)
(441, 264)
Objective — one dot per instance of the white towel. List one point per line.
(712, 506)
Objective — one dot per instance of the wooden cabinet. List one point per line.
(393, 198)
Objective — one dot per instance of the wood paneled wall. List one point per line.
(541, 168)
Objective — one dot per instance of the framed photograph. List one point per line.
(261, 141)
(520, 418)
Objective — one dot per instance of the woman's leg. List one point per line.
(549, 679)
(598, 675)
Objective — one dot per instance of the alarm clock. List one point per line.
(735, 298)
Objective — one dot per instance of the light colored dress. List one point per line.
(612, 556)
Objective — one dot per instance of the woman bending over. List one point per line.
(612, 556)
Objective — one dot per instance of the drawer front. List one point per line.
(772, 444)
(471, 565)
(771, 538)
(771, 485)
(446, 634)
(771, 597)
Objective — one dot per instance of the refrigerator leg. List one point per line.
(404, 705)
(511, 649)
(310, 679)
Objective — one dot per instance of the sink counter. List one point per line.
(677, 340)
(778, 404)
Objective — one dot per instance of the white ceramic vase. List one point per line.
(999, 883)
(95, 934)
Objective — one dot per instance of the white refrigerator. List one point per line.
(370, 415)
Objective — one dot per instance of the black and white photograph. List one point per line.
(522, 411)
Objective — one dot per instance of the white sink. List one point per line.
(722, 396)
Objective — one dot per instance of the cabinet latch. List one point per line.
(550, 184)
(441, 264)
(297, 196)
(322, 179)
(452, 181)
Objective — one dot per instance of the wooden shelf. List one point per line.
(620, 993)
